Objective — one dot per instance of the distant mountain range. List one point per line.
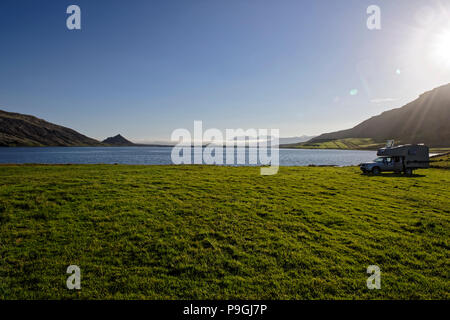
(425, 120)
(25, 130)
(290, 140)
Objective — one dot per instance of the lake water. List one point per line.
(162, 155)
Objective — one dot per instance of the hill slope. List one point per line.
(425, 120)
(118, 140)
(24, 130)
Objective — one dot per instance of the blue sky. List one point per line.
(146, 68)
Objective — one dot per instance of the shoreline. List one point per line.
(436, 150)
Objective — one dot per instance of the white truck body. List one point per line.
(404, 158)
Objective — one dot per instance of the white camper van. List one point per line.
(404, 158)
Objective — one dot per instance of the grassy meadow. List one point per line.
(208, 232)
(342, 144)
(441, 162)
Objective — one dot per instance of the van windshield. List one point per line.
(383, 159)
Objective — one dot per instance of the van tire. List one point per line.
(376, 171)
(408, 171)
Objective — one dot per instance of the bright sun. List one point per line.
(441, 48)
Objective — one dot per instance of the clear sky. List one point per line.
(145, 68)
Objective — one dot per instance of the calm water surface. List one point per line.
(162, 155)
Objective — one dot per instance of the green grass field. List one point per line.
(442, 162)
(343, 144)
(207, 232)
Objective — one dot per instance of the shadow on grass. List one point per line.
(393, 175)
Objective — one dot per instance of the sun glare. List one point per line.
(441, 48)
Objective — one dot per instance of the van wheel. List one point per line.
(376, 171)
(408, 171)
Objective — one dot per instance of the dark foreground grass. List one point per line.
(204, 232)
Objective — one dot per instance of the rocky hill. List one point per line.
(24, 130)
(118, 140)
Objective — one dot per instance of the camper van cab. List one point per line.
(405, 158)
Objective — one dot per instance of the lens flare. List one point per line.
(440, 50)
